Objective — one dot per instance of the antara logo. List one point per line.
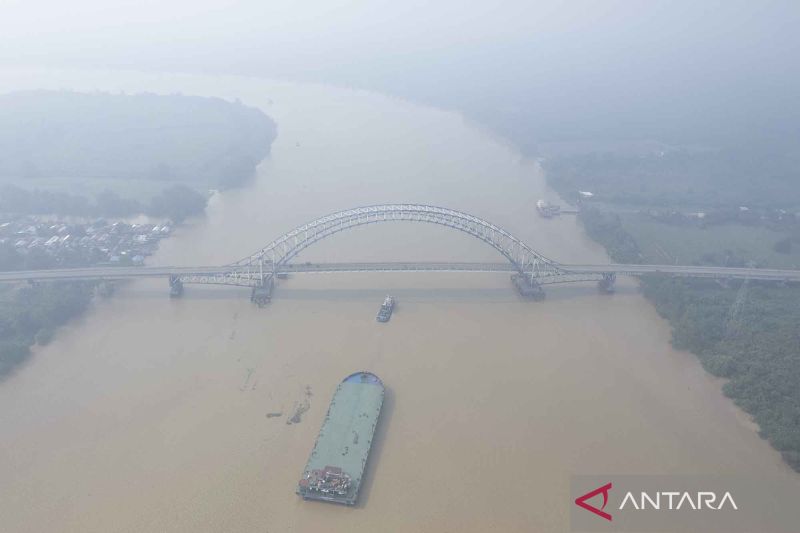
(658, 500)
(687, 500)
(581, 501)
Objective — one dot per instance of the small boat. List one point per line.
(385, 312)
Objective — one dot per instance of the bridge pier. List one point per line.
(527, 287)
(262, 293)
(606, 285)
(105, 288)
(175, 286)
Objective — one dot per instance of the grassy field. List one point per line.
(664, 243)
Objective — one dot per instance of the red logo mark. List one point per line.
(581, 501)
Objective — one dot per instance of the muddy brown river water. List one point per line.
(150, 414)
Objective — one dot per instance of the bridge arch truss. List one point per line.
(283, 249)
(263, 265)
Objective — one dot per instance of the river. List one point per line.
(149, 414)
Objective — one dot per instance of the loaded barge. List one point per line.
(336, 466)
(546, 209)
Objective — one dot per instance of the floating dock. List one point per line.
(336, 466)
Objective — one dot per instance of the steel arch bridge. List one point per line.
(530, 269)
(283, 249)
(260, 268)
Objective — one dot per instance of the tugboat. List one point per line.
(329, 481)
(385, 312)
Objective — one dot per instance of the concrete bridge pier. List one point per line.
(175, 286)
(262, 293)
(527, 287)
(606, 284)
(105, 288)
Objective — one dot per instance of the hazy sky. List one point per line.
(572, 67)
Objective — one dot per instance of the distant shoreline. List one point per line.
(103, 154)
(173, 183)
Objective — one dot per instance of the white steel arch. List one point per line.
(280, 251)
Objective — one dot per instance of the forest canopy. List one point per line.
(57, 134)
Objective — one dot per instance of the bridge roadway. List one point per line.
(117, 273)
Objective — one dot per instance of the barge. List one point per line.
(336, 466)
(546, 209)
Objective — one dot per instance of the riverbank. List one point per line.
(30, 315)
(69, 135)
(745, 332)
(93, 155)
(100, 154)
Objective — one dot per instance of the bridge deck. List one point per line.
(110, 273)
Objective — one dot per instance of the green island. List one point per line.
(727, 208)
(97, 156)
